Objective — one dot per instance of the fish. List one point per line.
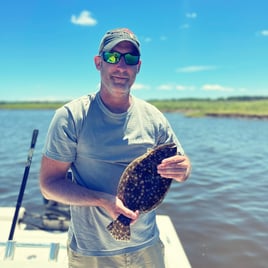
(141, 187)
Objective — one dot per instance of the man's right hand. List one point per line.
(114, 206)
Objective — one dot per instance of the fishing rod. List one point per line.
(23, 184)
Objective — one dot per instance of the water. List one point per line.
(220, 213)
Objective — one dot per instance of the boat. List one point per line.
(40, 239)
(44, 245)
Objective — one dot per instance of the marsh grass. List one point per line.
(241, 106)
(251, 108)
(31, 105)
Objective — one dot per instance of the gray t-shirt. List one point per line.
(99, 145)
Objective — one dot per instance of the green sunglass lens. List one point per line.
(111, 57)
(131, 59)
(114, 57)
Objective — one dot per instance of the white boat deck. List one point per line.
(37, 248)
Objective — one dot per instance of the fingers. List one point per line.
(178, 174)
(176, 159)
(130, 214)
(114, 206)
(137, 213)
(175, 167)
(121, 209)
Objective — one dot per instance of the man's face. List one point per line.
(118, 78)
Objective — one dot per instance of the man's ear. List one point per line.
(97, 60)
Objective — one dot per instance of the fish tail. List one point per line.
(120, 228)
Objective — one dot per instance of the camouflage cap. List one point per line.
(114, 37)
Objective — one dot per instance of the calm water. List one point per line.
(220, 213)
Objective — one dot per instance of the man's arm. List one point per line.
(55, 186)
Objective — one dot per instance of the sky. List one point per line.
(189, 48)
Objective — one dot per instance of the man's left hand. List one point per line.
(176, 167)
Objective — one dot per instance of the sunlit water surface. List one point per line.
(220, 213)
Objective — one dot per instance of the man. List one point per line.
(97, 136)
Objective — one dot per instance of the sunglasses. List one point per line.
(114, 57)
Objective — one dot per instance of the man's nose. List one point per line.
(122, 62)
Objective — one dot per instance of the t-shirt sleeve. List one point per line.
(168, 135)
(61, 139)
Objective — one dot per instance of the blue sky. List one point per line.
(190, 48)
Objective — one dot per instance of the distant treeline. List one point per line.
(27, 105)
(236, 98)
(256, 107)
(247, 98)
(244, 106)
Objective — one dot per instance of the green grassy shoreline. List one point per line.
(253, 107)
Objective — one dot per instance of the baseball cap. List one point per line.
(115, 36)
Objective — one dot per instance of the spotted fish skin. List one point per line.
(141, 187)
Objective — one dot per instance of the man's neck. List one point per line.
(116, 104)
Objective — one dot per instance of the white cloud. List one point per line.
(147, 39)
(192, 15)
(264, 32)
(181, 87)
(188, 15)
(140, 86)
(84, 19)
(195, 68)
(216, 87)
(165, 87)
(185, 26)
(171, 86)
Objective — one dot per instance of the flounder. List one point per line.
(141, 187)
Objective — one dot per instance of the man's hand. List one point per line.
(177, 167)
(114, 206)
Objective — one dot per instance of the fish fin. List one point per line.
(120, 228)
